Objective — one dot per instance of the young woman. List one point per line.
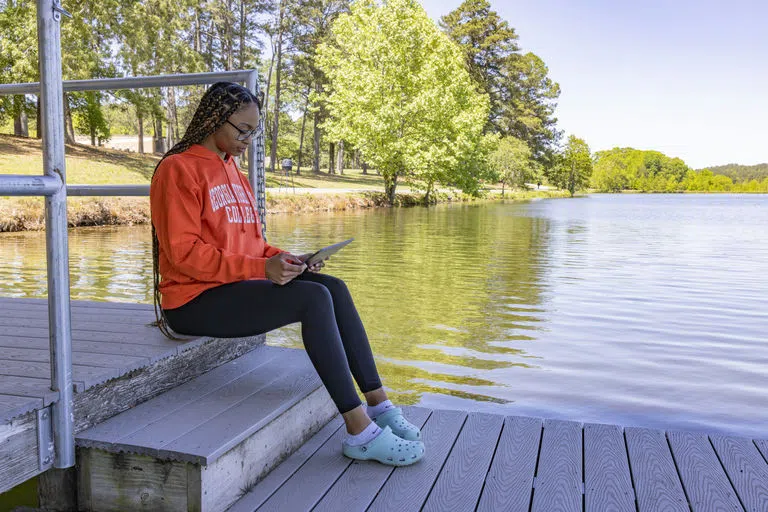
(216, 276)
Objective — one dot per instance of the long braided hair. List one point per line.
(220, 101)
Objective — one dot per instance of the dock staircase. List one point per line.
(201, 445)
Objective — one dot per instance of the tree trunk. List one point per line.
(301, 138)
(390, 184)
(502, 189)
(331, 157)
(140, 118)
(69, 129)
(340, 159)
(159, 146)
(39, 119)
(20, 125)
(276, 120)
(364, 164)
(316, 138)
(357, 159)
(93, 135)
(242, 34)
(229, 43)
(197, 29)
(173, 129)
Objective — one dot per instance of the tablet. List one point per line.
(326, 252)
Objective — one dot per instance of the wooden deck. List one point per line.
(488, 462)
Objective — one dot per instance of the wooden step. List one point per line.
(201, 444)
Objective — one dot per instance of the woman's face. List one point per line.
(227, 136)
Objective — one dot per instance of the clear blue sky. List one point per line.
(688, 78)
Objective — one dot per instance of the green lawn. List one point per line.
(100, 166)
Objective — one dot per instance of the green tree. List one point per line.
(489, 43)
(523, 97)
(18, 58)
(400, 93)
(511, 163)
(574, 166)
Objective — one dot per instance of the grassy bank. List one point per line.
(97, 166)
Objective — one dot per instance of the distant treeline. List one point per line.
(652, 171)
(741, 173)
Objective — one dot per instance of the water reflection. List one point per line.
(637, 310)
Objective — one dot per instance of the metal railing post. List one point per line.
(59, 316)
(256, 159)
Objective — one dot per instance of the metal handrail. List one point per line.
(53, 186)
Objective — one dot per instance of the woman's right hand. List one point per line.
(283, 267)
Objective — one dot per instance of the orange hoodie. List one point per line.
(207, 225)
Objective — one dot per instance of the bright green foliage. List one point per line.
(400, 93)
(512, 164)
(574, 166)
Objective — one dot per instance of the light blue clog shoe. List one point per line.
(386, 448)
(394, 419)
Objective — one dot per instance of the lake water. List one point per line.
(642, 310)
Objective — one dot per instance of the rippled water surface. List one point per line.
(636, 309)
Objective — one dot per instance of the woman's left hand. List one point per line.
(313, 268)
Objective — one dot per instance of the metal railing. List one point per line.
(52, 185)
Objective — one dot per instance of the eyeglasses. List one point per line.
(244, 134)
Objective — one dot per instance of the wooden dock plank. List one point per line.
(277, 477)
(358, 486)
(460, 483)
(762, 445)
(408, 487)
(82, 358)
(80, 373)
(43, 302)
(12, 406)
(132, 420)
(607, 481)
(510, 480)
(105, 324)
(88, 314)
(308, 485)
(559, 476)
(657, 485)
(143, 335)
(84, 346)
(704, 479)
(29, 387)
(746, 469)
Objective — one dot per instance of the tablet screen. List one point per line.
(326, 252)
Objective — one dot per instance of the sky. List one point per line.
(687, 78)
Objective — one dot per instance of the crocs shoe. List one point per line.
(388, 449)
(394, 419)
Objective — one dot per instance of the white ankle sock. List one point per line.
(366, 436)
(375, 410)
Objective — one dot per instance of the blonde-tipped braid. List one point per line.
(220, 101)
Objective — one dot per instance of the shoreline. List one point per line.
(27, 213)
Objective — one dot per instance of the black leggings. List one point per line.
(333, 334)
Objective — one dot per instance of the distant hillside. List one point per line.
(742, 173)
